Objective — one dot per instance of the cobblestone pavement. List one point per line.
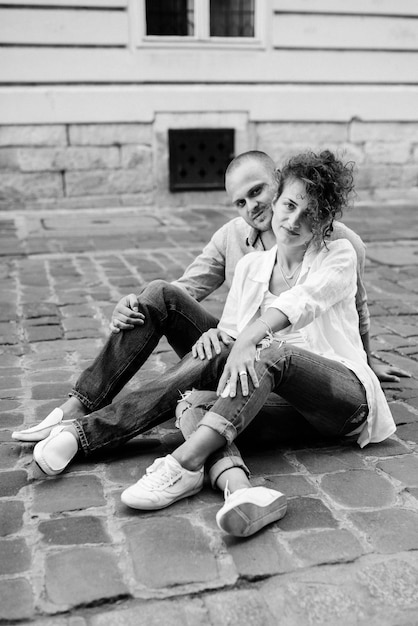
(72, 555)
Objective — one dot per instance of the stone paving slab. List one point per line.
(71, 554)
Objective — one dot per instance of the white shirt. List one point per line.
(288, 334)
(322, 307)
(216, 263)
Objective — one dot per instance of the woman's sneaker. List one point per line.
(165, 482)
(248, 510)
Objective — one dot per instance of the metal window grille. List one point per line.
(232, 18)
(170, 17)
(199, 158)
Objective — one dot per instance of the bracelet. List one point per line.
(269, 330)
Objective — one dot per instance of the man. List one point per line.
(173, 309)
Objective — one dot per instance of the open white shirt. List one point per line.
(217, 262)
(322, 307)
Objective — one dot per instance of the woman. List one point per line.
(291, 312)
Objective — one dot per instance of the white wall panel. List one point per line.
(20, 65)
(263, 103)
(63, 27)
(376, 7)
(329, 60)
(345, 32)
(107, 4)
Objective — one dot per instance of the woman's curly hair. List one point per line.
(329, 185)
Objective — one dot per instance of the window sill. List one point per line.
(237, 43)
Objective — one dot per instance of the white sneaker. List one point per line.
(54, 453)
(165, 482)
(248, 510)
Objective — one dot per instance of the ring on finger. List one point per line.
(243, 374)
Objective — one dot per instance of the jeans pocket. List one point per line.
(355, 420)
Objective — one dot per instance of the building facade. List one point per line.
(143, 102)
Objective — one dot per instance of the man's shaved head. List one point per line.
(256, 156)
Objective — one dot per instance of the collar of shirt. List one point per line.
(261, 272)
(254, 239)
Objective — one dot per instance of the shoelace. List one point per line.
(227, 493)
(160, 474)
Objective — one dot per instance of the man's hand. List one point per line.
(125, 315)
(389, 374)
(209, 341)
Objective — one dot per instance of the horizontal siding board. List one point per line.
(263, 103)
(377, 7)
(107, 4)
(71, 27)
(371, 7)
(345, 32)
(42, 65)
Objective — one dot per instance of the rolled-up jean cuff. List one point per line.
(224, 464)
(82, 437)
(220, 424)
(85, 401)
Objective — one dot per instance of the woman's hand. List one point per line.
(239, 367)
(125, 315)
(209, 341)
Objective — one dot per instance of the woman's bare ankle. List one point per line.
(234, 479)
(188, 462)
(192, 454)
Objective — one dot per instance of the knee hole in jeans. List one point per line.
(189, 419)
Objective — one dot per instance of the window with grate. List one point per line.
(199, 158)
(200, 19)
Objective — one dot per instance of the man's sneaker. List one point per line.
(165, 482)
(248, 510)
(54, 453)
(43, 429)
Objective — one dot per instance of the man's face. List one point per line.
(251, 189)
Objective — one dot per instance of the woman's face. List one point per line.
(291, 225)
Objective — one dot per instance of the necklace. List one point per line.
(293, 276)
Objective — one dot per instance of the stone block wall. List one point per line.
(83, 165)
(108, 165)
(386, 154)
